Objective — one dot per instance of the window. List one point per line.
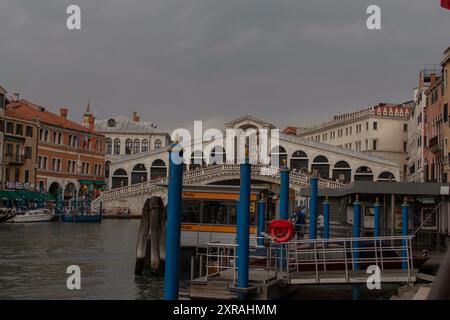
(54, 164)
(29, 131)
(54, 136)
(128, 146)
(446, 112)
(19, 129)
(17, 174)
(28, 152)
(9, 150)
(405, 146)
(116, 146)
(44, 163)
(27, 176)
(108, 146)
(144, 145)
(157, 144)
(9, 127)
(7, 174)
(374, 144)
(59, 138)
(136, 146)
(375, 125)
(367, 126)
(405, 127)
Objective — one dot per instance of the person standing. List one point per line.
(300, 218)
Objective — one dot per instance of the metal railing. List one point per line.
(344, 257)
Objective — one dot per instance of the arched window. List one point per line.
(107, 164)
(363, 174)
(139, 173)
(342, 172)
(157, 144)
(119, 179)
(197, 160)
(108, 146)
(278, 156)
(144, 145)
(136, 146)
(128, 146)
(386, 176)
(321, 165)
(158, 169)
(218, 156)
(299, 160)
(116, 146)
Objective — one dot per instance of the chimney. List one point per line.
(136, 117)
(15, 96)
(63, 112)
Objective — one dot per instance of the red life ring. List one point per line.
(281, 230)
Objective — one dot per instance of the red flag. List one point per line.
(445, 4)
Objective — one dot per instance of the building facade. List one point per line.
(126, 136)
(417, 135)
(435, 146)
(446, 102)
(19, 153)
(369, 131)
(2, 128)
(70, 157)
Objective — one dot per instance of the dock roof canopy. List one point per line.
(395, 188)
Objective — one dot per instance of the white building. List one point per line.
(381, 131)
(416, 125)
(126, 136)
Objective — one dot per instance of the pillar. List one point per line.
(356, 231)
(284, 193)
(172, 267)
(243, 224)
(376, 221)
(326, 219)
(261, 221)
(405, 207)
(313, 207)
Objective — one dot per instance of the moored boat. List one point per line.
(36, 215)
(82, 218)
(6, 214)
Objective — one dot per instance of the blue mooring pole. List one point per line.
(261, 221)
(284, 193)
(172, 267)
(376, 222)
(243, 224)
(356, 231)
(405, 207)
(313, 208)
(326, 219)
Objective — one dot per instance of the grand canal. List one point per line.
(34, 258)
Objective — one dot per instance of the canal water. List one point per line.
(34, 258)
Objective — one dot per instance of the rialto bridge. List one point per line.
(136, 177)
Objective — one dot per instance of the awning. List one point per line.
(86, 182)
(28, 195)
(100, 183)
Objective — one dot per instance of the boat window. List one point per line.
(215, 212)
(191, 211)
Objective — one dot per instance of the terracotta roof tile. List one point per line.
(28, 111)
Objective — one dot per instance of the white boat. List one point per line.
(37, 215)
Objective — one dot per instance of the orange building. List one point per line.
(70, 156)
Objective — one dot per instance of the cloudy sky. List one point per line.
(291, 62)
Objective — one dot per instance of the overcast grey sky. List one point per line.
(291, 62)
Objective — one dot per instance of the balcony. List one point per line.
(435, 144)
(14, 159)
